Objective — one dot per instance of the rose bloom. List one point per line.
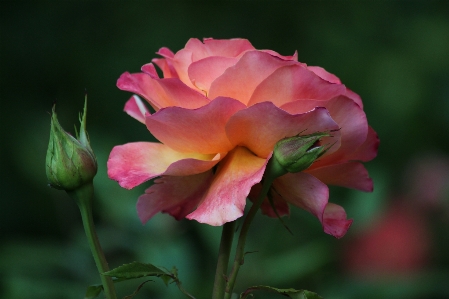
(220, 108)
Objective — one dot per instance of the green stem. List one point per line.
(83, 197)
(227, 236)
(240, 251)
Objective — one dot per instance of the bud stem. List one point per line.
(83, 197)
(271, 173)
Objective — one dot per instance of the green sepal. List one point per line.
(291, 293)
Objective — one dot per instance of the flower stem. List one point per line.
(83, 197)
(227, 236)
(240, 251)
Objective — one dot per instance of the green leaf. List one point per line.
(291, 293)
(137, 270)
(93, 291)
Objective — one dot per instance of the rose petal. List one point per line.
(165, 52)
(175, 195)
(166, 63)
(226, 197)
(279, 203)
(334, 79)
(161, 92)
(350, 118)
(150, 70)
(239, 81)
(294, 82)
(199, 130)
(136, 108)
(227, 47)
(335, 222)
(294, 57)
(368, 150)
(322, 73)
(350, 175)
(261, 126)
(304, 191)
(203, 72)
(132, 164)
(168, 71)
(181, 62)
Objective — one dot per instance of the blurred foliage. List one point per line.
(394, 54)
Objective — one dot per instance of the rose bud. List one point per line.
(297, 153)
(70, 161)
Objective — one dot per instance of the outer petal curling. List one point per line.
(199, 130)
(290, 83)
(161, 92)
(350, 175)
(132, 164)
(226, 197)
(136, 108)
(335, 222)
(304, 191)
(240, 81)
(350, 118)
(175, 195)
(259, 127)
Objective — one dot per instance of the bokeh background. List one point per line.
(394, 54)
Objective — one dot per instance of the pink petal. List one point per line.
(150, 70)
(132, 164)
(368, 150)
(227, 47)
(136, 108)
(349, 175)
(166, 63)
(334, 79)
(226, 197)
(218, 47)
(294, 57)
(161, 92)
(167, 68)
(294, 82)
(304, 191)
(165, 52)
(335, 222)
(261, 126)
(181, 62)
(355, 97)
(199, 130)
(324, 74)
(175, 195)
(240, 81)
(204, 71)
(350, 118)
(279, 203)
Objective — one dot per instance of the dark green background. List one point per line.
(394, 54)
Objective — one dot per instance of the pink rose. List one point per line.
(220, 109)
